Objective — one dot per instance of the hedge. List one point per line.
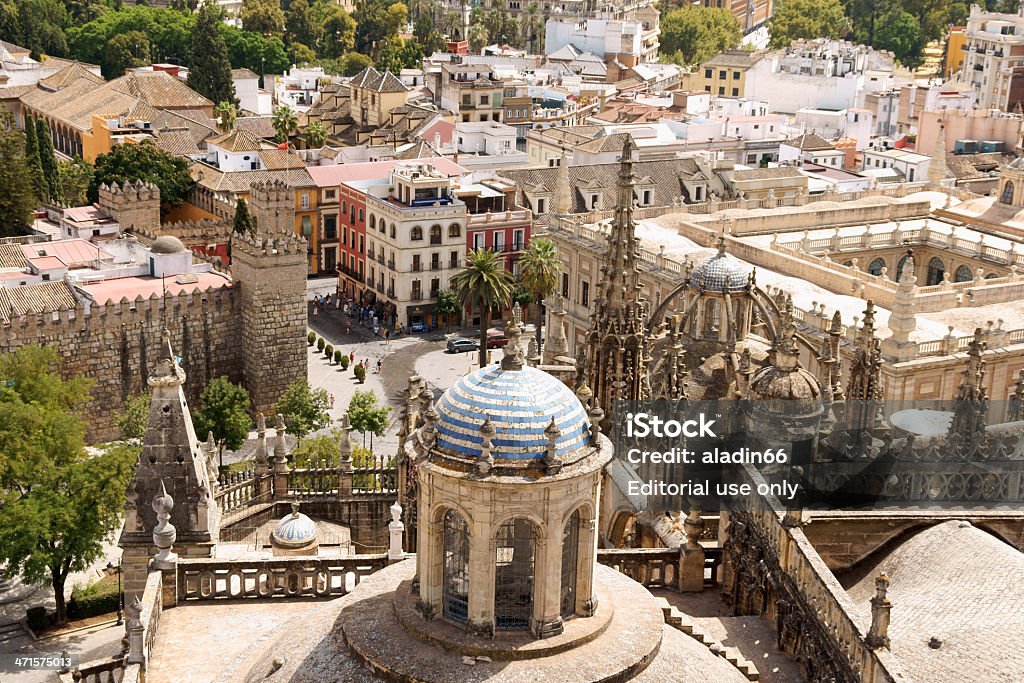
(96, 598)
(37, 618)
(329, 351)
(320, 343)
(311, 338)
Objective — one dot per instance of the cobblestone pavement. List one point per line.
(754, 637)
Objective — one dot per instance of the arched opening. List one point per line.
(455, 584)
(454, 230)
(936, 269)
(570, 560)
(435, 234)
(515, 554)
(1007, 196)
(875, 267)
(711, 318)
(899, 268)
(416, 233)
(964, 274)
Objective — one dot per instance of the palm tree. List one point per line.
(227, 114)
(540, 267)
(477, 37)
(419, 8)
(285, 121)
(486, 284)
(315, 134)
(531, 24)
(453, 26)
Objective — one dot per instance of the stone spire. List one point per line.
(970, 410)
(864, 390)
(670, 375)
(514, 358)
(557, 344)
(561, 205)
(903, 316)
(614, 366)
(173, 461)
(878, 633)
(937, 170)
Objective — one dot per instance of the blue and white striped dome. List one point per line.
(720, 273)
(520, 404)
(294, 531)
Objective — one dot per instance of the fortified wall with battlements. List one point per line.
(251, 330)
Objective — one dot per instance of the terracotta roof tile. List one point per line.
(38, 298)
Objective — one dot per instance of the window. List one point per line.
(479, 241)
(392, 231)
(936, 269)
(417, 266)
(721, 74)
(585, 294)
(331, 228)
(565, 285)
(435, 234)
(416, 234)
(516, 547)
(485, 99)
(964, 274)
(453, 259)
(455, 568)
(735, 92)
(305, 200)
(454, 230)
(518, 239)
(570, 559)
(875, 267)
(373, 221)
(735, 75)
(344, 207)
(542, 206)
(721, 90)
(707, 73)
(328, 194)
(360, 215)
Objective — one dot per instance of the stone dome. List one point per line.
(520, 404)
(295, 530)
(720, 273)
(168, 244)
(779, 384)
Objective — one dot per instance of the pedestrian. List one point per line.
(352, 358)
(379, 363)
(328, 298)
(332, 401)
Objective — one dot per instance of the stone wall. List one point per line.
(116, 346)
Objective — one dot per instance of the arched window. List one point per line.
(875, 267)
(455, 584)
(992, 276)
(416, 233)
(514, 575)
(373, 221)
(964, 274)
(711, 318)
(454, 230)
(570, 559)
(393, 232)
(435, 234)
(899, 268)
(1007, 196)
(936, 269)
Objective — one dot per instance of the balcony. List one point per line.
(350, 272)
(417, 267)
(453, 263)
(433, 293)
(380, 259)
(416, 295)
(391, 264)
(435, 239)
(435, 265)
(391, 294)
(380, 287)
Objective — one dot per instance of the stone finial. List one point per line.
(878, 633)
(164, 533)
(280, 445)
(485, 461)
(135, 632)
(585, 395)
(395, 531)
(513, 358)
(596, 415)
(551, 459)
(345, 446)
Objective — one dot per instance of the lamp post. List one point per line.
(120, 595)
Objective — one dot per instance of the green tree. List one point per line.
(318, 448)
(262, 16)
(18, 200)
(146, 162)
(243, 223)
(486, 285)
(696, 34)
(866, 15)
(478, 37)
(808, 19)
(315, 135)
(211, 75)
(57, 503)
(124, 51)
(301, 54)
(354, 62)
(304, 408)
(224, 410)
(255, 52)
(540, 267)
(74, 178)
(34, 164)
(447, 306)
(427, 36)
(339, 31)
(38, 25)
(901, 33)
(302, 23)
(226, 114)
(531, 26)
(133, 421)
(285, 122)
(400, 54)
(378, 23)
(48, 161)
(367, 416)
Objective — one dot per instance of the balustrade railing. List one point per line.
(362, 475)
(201, 579)
(657, 567)
(236, 490)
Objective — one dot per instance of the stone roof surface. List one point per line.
(37, 298)
(177, 141)
(961, 585)
(236, 141)
(11, 256)
(377, 81)
(240, 181)
(721, 272)
(809, 142)
(520, 405)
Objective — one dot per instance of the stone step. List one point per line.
(12, 632)
(680, 621)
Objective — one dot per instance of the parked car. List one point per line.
(496, 340)
(461, 345)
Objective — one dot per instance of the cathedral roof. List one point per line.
(720, 273)
(520, 405)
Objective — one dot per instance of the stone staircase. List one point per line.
(682, 622)
(13, 635)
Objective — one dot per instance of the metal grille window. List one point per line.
(570, 550)
(513, 576)
(455, 590)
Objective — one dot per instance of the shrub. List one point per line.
(344, 361)
(96, 598)
(337, 357)
(37, 618)
(360, 373)
(311, 338)
(320, 343)
(329, 351)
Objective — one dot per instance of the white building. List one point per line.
(486, 144)
(606, 38)
(994, 58)
(250, 97)
(299, 88)
(813, 149)
(857, 124)
(910, 165)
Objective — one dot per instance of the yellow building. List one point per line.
(374, 95)
(956, 46)
(726, 73)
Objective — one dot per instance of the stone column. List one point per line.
(280, 460)
(878, 634)
(586, 603)
(691, 555)
(482, 551)
(547, 618)
(429, 556)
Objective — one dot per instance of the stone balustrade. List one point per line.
(236, 490)
(657, 567)
(315, 577)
